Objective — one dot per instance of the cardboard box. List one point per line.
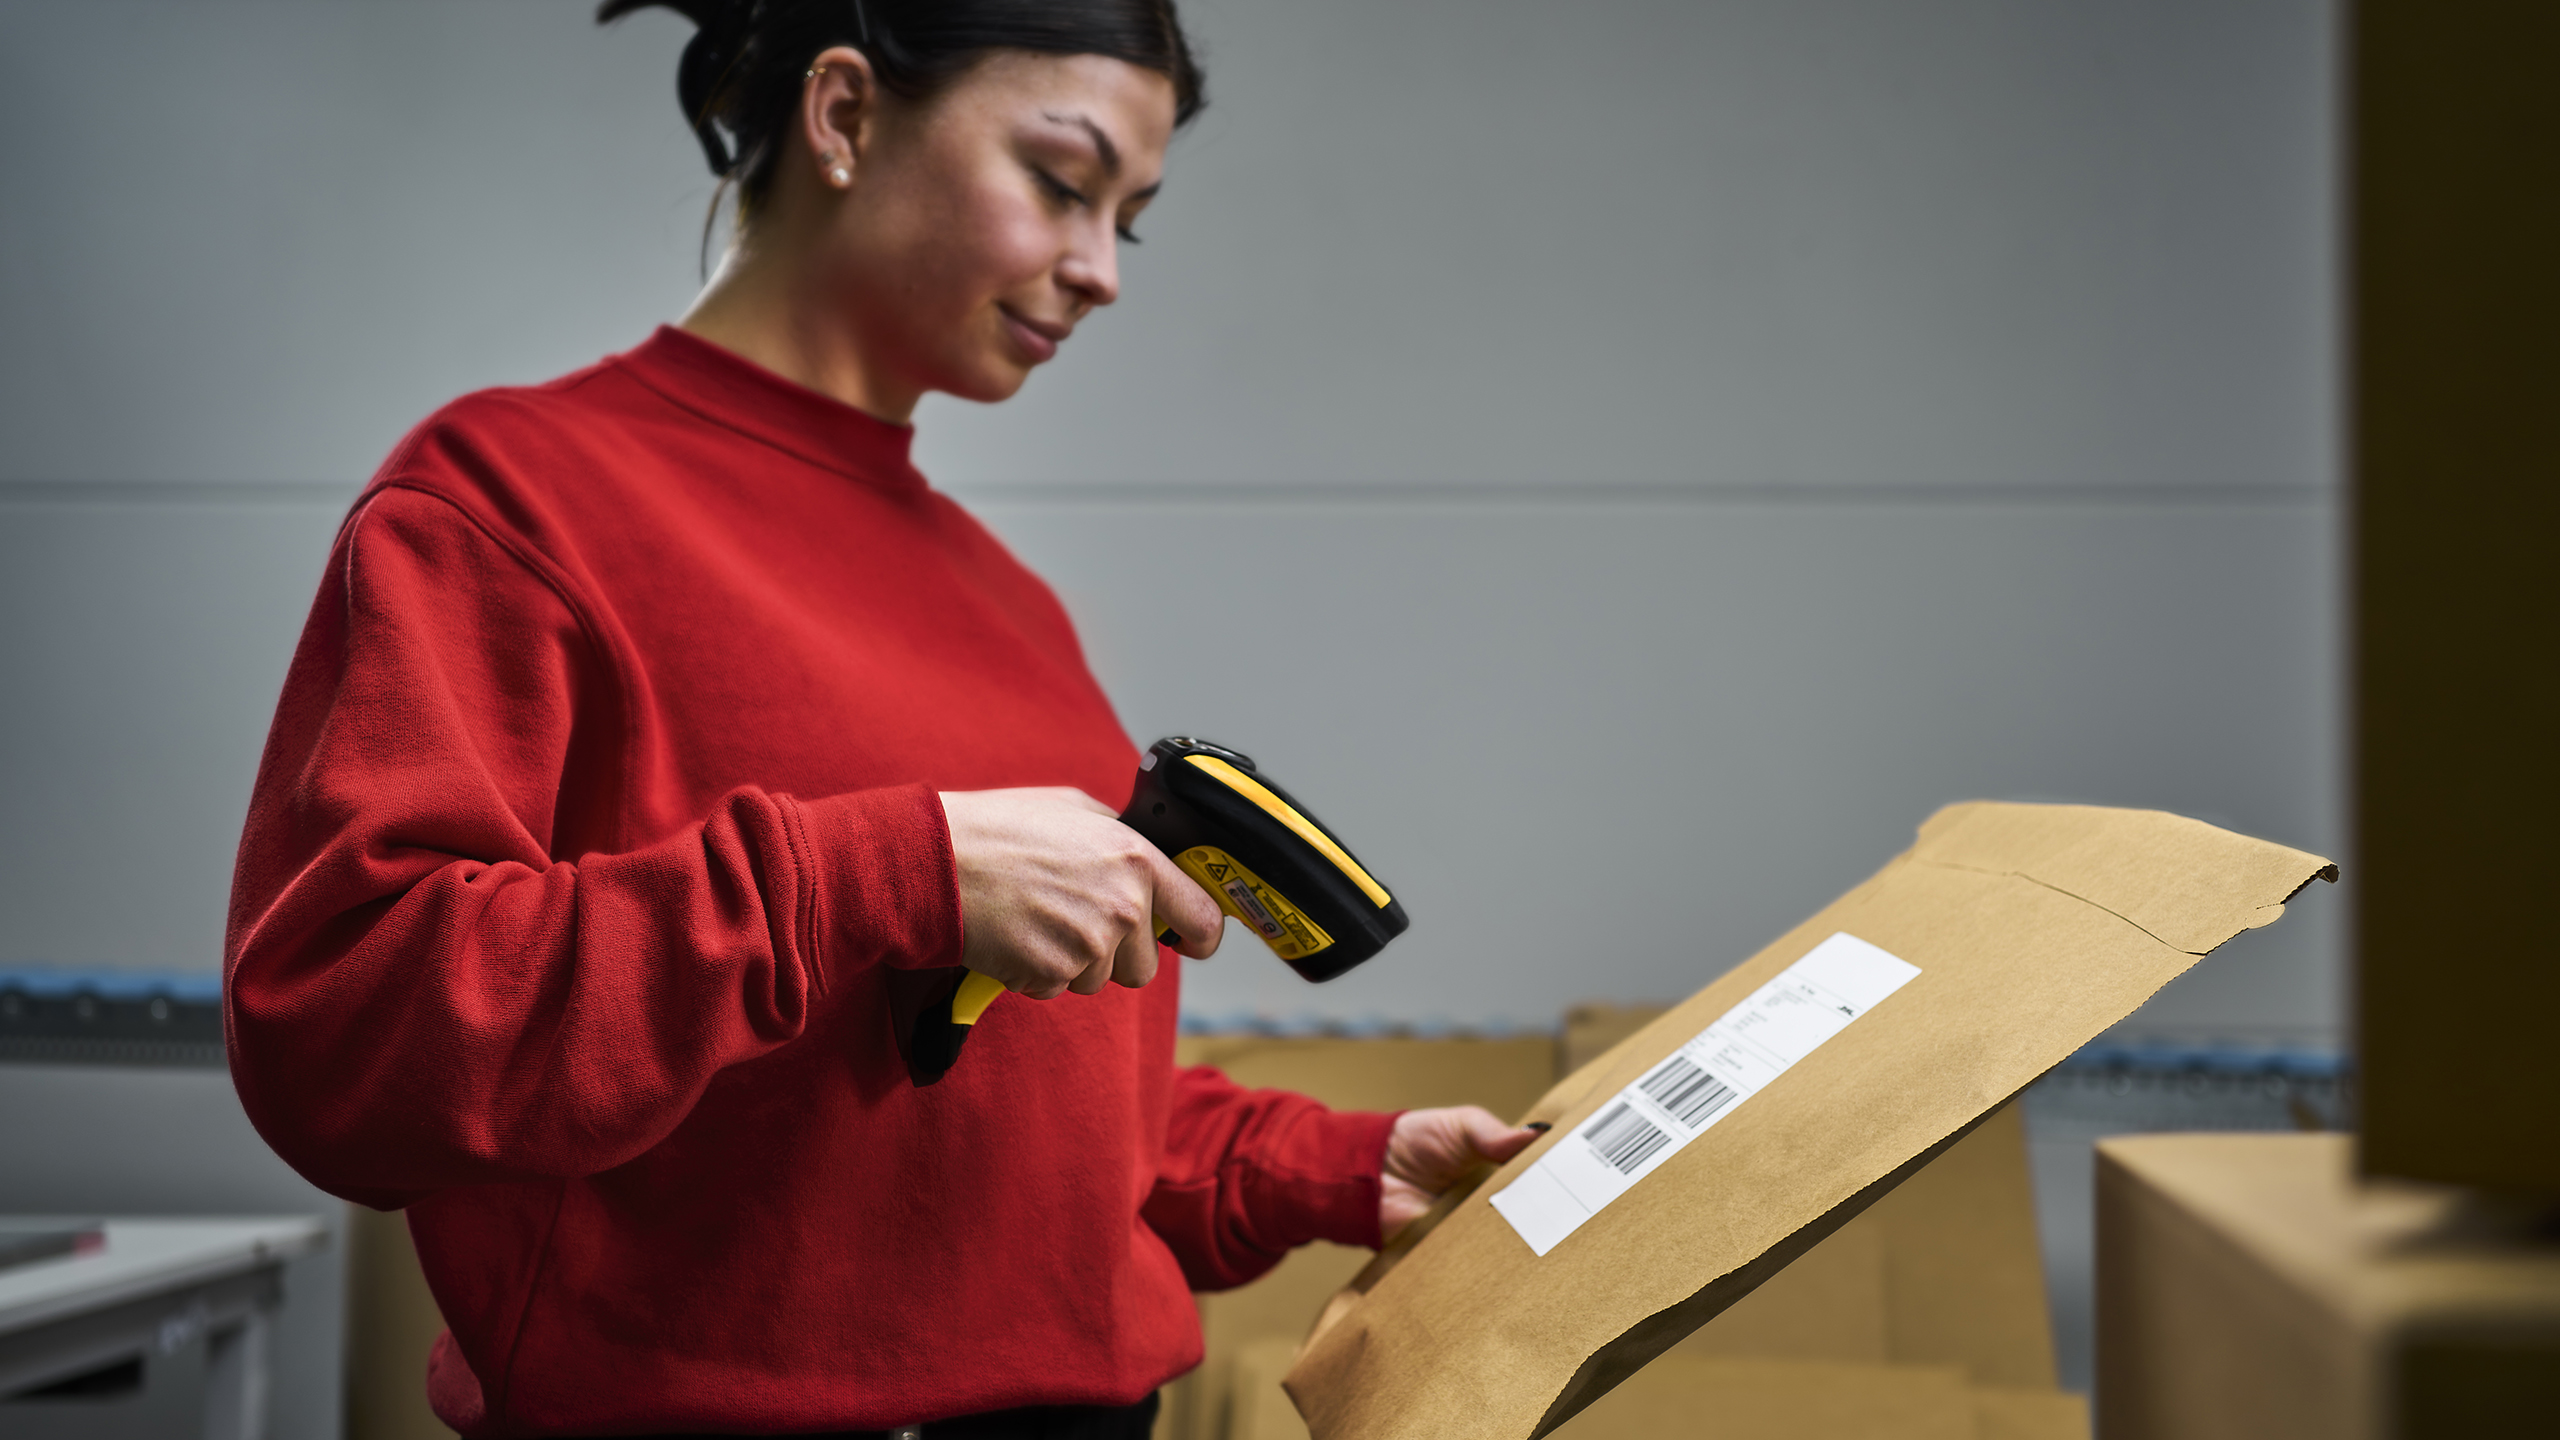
(1830, 1304)
(1733, 1399)
(1885, 1028)
(1945, 1270)
(2002, 1414)
(1259, 1409)
(392, 1323)
(2249, 1287)
(1964, 1275)
(1589, 1030)
(2450, 524)
(1505, 1076)
(1742, 1399)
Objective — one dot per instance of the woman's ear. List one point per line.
(838, 102)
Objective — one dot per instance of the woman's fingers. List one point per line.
(1431, 1148)
(1173, 900)
(1494, 1139)
(1136, 962)
(1042, 988)
(1058, 897)
(1094, 976)
(1180, 903)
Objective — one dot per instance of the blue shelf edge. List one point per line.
(197, 996)
(2157, 1056)
(50, 982)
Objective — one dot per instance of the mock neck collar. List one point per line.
(728, 389)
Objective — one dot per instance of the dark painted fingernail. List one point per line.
(1541, 1126)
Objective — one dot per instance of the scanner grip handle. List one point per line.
(943, 1019)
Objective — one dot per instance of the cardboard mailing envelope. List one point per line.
(1699, 1156)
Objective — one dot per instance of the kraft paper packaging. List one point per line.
(2032, 929)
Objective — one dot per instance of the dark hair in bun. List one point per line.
(741, 74)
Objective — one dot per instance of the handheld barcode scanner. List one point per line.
(1250, 844)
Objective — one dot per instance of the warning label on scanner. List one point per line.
(1250, 898)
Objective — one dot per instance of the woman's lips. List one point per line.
(1038, 340)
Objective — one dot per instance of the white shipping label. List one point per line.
(1698, 1085)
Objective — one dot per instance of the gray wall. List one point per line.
(1626, 464)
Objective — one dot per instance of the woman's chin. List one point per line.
(989, 383)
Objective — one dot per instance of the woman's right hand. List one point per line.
(1057, 895)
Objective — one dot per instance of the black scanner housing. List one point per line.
(1177, 805)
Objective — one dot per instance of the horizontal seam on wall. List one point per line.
(178, 492)
(1321, 493)
(1613, 493)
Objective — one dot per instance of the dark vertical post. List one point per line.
(2456, 566)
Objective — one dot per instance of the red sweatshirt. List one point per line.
(599, 803)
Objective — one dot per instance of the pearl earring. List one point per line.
(840, 177)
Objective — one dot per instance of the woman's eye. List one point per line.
(1066, 194)
(1058, 189)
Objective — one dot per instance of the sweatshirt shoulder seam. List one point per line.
(530, 557)
(534, 563)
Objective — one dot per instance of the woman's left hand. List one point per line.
(1430, 1149)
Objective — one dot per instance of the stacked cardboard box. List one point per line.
(1733, 1399)
(392, 1323)
(1923, 1317)
(2249, 1286)
(1505, 1076)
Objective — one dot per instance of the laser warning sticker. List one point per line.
(1241, 893)
(1698, 1085)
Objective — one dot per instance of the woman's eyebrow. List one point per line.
(1102, 145)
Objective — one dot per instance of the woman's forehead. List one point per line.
(1129, 107)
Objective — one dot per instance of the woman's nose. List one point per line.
(1091, 267)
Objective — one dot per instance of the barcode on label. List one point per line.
(1679, 1086)
(1688, 1092)
(1625, 1139)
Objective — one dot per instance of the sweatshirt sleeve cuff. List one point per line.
(886, 887)
(1338, 1156)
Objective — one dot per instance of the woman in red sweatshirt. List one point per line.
(651, 722)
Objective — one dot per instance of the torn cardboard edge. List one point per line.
(2179, 885)
(2071, 865)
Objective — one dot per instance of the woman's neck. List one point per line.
(766, 305)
